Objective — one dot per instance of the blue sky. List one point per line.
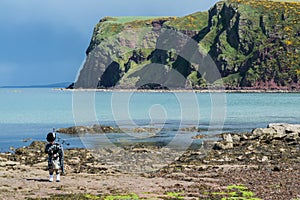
(44, 41)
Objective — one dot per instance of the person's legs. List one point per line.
(51, 175)
(57, 176)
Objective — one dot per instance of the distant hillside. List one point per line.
(255, 44)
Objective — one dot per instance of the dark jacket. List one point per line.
(54, 151)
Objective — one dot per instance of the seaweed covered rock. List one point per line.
(89, 129)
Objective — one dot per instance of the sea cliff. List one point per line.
(253, 44)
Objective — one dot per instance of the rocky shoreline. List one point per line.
(103, 129)
(263, 164)
(222, 90)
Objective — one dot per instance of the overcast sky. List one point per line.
(44, 41)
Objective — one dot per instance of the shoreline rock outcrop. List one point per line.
(274, 144)
(89, 129)
(287, 133)
(103, 129)
(266, 156)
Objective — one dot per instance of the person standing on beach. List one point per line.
(55, 157)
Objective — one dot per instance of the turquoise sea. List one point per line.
(29, 114)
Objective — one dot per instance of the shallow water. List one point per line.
(32, 113)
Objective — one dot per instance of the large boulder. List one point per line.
(226, 143)
(277, 131)
(286, 128)
(261, 133)
(274, 133)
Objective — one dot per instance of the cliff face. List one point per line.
(254, 44)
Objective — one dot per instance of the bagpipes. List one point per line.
(59, 139)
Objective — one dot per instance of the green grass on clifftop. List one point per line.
(195, 21)
(126, 19)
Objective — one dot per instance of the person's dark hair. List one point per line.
(51, 137)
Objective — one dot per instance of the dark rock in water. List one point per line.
(200, 136)
(89, 129)
(207, 136)
(75, 130)
(110, 129)
(26, 139)
(191, 129)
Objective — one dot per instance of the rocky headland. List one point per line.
(253, 44)
(262, 164)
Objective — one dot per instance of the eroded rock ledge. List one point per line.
(287, 133)
(276, 144)
(102, 129)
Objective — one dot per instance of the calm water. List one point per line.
(32, 113)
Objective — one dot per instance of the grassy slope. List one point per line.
(280, 41)
(282, 25)
(195, 21)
